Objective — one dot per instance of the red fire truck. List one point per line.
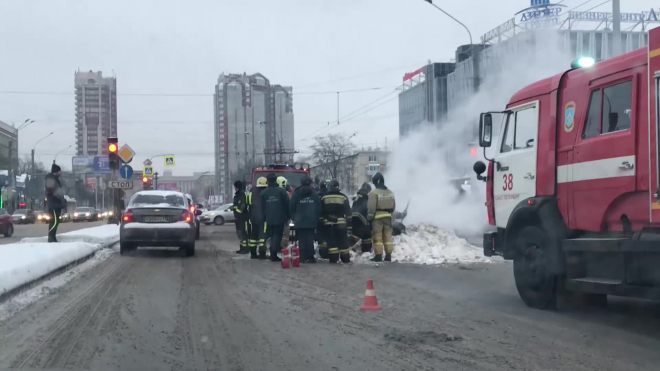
(573, 185)
(292, 172)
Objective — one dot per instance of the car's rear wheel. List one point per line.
(190, 249)
(125, 247)
(9, 230)
(219, 220)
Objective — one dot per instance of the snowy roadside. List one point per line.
(427, 244)
(34, 258)
(105, 234)
(16, 303)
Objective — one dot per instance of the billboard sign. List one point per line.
(101, 164)
(90, 181)
(82, 164)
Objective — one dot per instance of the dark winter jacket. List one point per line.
(275, 205)
(335, 208)
(254, 206)
(305, 207)
(54, 192)
(359, 209)
(240, 205)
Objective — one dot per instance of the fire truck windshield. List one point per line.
(293, 177)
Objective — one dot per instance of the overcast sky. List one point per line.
(180, 47)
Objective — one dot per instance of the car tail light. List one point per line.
(192, 209)
(186, 216)
(128, 216)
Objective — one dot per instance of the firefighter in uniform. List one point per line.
(257, 236)
(360, 228)
(335, 211)
(321, 230)
(282, 182)
(380, 207)
(241, 217)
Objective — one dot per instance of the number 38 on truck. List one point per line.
(573, 185)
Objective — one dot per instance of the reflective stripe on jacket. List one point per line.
(381, 204)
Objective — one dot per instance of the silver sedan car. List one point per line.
(219, 216)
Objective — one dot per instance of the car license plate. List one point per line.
(156, 219)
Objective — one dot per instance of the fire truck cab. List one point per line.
(573, 185)
(292, 172)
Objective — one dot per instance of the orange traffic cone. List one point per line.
(370, 301)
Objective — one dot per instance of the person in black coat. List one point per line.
(335, 211)
(55, 201)
(305, 212)
(359, 223)
(241, 217)
(275, 208)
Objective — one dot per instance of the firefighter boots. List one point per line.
(388, 257)
(253, 253)
(377, 258)
(345, 258)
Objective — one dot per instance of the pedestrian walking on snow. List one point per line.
(54, 200)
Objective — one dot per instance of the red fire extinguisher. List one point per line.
(285, 257)
(295, 255)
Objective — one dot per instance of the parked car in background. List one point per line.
(6, 223)
(65, 218)
(158, 218)
(82, 214)
(24, 216)
(219, 216)
(43, 216)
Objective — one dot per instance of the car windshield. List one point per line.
(157, 200)
(20, 212)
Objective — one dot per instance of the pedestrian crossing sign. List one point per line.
(148, 171)
(169, 160)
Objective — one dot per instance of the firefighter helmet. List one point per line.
(281, 181)
(378, 179)
(262, 182)
(334, 185)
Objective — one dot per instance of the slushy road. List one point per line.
(157, 310)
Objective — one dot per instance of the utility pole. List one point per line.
(32, 184)
(616, 27)
(156, 180)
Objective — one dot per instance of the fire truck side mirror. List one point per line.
(485, 130)
(479, 168)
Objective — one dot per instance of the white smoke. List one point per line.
(421, 168)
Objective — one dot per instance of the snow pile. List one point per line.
(21, 263)
(427, 244)
(22, 300)
(105, 235)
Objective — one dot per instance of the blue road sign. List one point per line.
(101, 164)
(126, 171)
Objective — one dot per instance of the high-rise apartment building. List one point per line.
(253, 127)
(96, 112)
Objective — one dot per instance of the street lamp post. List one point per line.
(475, 62)
(32, 165)
(69, 146)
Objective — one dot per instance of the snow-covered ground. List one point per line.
(105, 234)
(427, 244)
(33, 258)
(16, 303)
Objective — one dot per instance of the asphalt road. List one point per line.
(41, 229)
(157, 310)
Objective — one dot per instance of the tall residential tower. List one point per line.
(96, 112)
(253, 127)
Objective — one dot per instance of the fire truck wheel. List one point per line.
(535, 284)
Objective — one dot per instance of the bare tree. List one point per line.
(329, 149)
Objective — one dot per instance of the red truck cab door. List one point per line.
(604, 167)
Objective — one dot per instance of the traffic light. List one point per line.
(112, 153)
(146, 183)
